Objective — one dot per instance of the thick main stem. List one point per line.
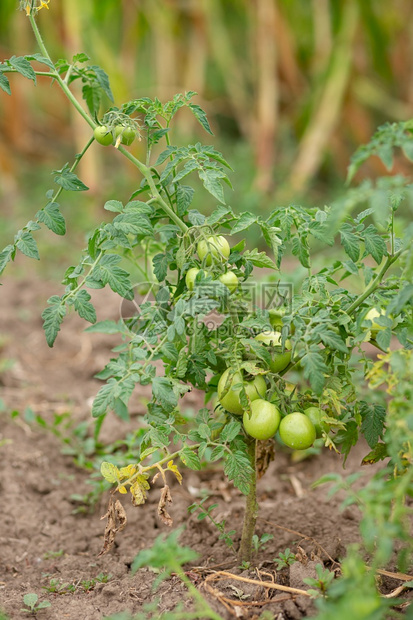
(251, 509)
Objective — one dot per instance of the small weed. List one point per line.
(284, 559)
(321, 584)
(32, 605)
(259, 543)
(52, 555)
(205, 513)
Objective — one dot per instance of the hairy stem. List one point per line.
(251, 510)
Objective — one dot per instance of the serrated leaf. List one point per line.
(4, 83)
(110, 472)
(92, 94)
(259, 259)
(350, 242)
(103, 80)
(52, 318)
(375, 245)
(217, 453)
(372, 427)
(314, 369)
(83, 306)
(51, 216)
(211, 180)
(238, 469)
(218, 214)
(133, 223)
(300, 250)
(196, 218)
(230, 431)
(333, 341)
(127, 472)
(347, 438)
(184, 196)
(245, 221)
(163, 393)
(383, 338)
(201, 117)
(190, 458)
(404, 297)
(5, 256)
(69, 180)
(138, 490)
(160, 266)
(23, 67)
(105, 327)
(28, 246)
(104, 398)
(109, 273)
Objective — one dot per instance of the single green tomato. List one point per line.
(128, 134)
(297, 431)
(372, 314)
(190, 277)
(230, 280)
(315, 414)
(279, 360)
(102, 135)
(213, 248)
(263, 421)
(231, 401)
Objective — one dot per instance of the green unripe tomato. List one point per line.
(213, 248)
(103, 135)
(190, 277)
(297, 431)
(127, 134)
(263, 421)
(231, 401)
(230, 280)
(372, 314)
(315, 414)
(276, 317)
(279, 360)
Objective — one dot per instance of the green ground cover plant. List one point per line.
(211, 319)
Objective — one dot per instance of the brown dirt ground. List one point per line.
(37, 481)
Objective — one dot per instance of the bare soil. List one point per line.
(43, 537)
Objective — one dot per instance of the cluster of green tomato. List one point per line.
(297, 430)
(107, 136)
(209, 250)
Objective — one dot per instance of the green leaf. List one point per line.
(300, 250)
(212, 183)
(83, 306)
(404, 297)
(375, 245)
(373, 417)
(238, 469)
(190, 458)
(230, 431)
(113, 205)
(103, 81)
(68, 180)
(105, 397)
(39, 58)
(163, 393)
(259, 259)
(53, 317)
(201, 116)
(92, 94)
(4, 83)
(133, 223)
(350, 242)
(314, 369)
(109, 273)
(218, 214)
(332, 340)
(6, 255)
(23, 67)
(196, 218)
(378, 453)
(160, 266)
(347, 438)
(30, 599)
(28, 246)
(184, 196)
(245, 221)
(105, 327)
(383, 338)
(385, 153)
(50, 216)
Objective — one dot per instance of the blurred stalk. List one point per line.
(229, 64)
(164, 47)
(327, 110)
(323, 41)
(89, 167)
(267, 93)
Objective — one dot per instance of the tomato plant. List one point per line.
(321, 325)
(127, 134)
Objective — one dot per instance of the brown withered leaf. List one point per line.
(265, 454)
(116, 522)
(166, 499)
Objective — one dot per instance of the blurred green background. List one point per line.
(291, 89)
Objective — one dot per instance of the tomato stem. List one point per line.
(251, 509)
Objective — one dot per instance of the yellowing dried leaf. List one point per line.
(138, 490)
(123, 490)
(175, 470)
(127, 472)
(165, 500)
(109, 471)
(116, 521)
